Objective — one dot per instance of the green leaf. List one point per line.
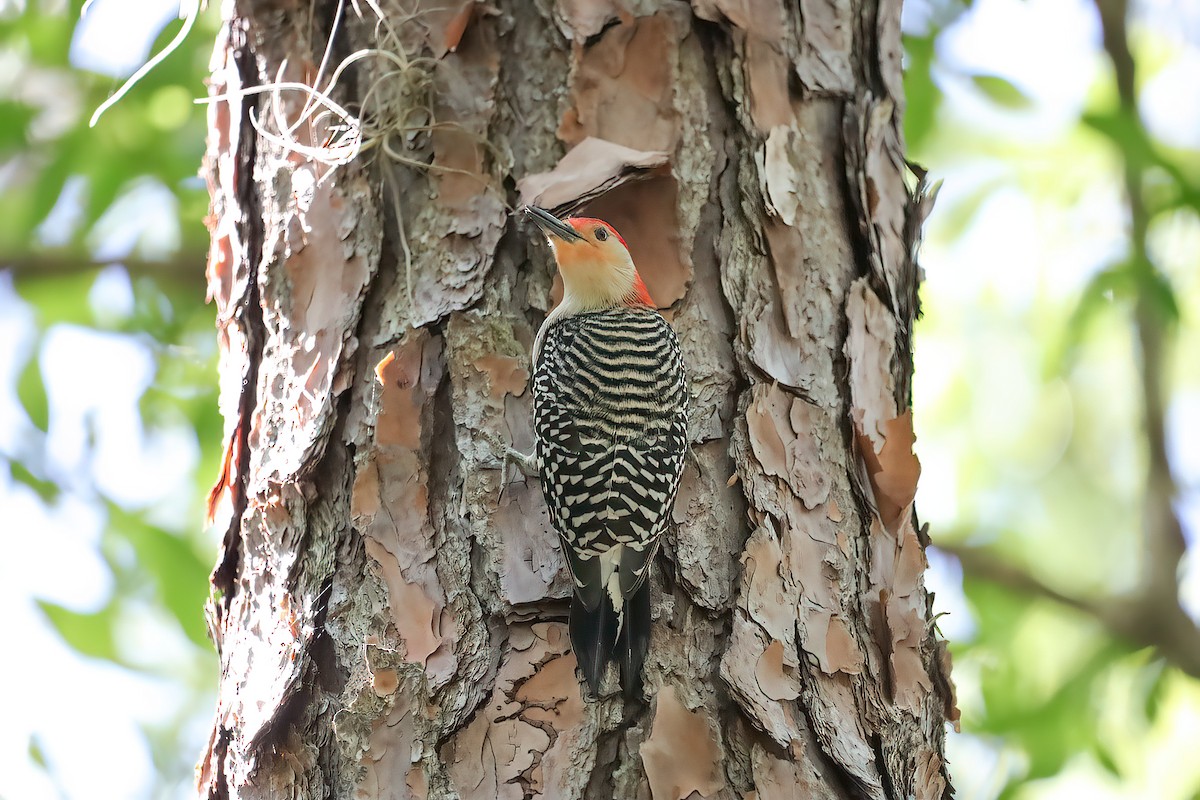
(47, 490)
(36, 754)
(955, 219)
(1156, 691)
(1115, 283)
(1122, 130)
(31, 391)
(1105, 758)
(48, 36)
(998, 610)
(87, 634)
(1126, 132)
(180, 576)
(45, 192)
(1156, 288)
(922, 96)
(14, 124)
(106, 181)
(1002, 92)
(1120, 282)
(60, 298)
(153, 311)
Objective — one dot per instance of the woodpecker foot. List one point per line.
(525, 463)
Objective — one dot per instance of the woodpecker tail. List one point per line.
(603, 634)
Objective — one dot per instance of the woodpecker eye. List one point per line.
(601, 234)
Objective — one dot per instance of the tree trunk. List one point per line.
(389, 603)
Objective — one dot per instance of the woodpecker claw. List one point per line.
(525, 462)
(526, 465)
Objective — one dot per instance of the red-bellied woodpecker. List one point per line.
(610, 432)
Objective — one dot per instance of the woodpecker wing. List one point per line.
(610, 423)
(603, 492)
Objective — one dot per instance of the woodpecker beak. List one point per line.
(552, 225)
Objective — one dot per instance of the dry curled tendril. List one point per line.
(395, 109)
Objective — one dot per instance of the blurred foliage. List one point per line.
(153, 134)
(80, 239)
(1027, 400)
(1031, 408)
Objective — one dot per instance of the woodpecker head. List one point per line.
(597, 270)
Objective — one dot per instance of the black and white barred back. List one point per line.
(610, 427)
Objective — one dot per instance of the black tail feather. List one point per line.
(596, 639)
(633, 641)
(593, 634)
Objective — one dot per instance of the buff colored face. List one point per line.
(594, 262)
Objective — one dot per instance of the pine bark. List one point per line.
(389, 603)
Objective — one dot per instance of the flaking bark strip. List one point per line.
(233, 277)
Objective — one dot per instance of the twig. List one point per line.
(185, 268)
(1163, 534)
(1141, 620)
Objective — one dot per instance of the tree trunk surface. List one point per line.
(389, 603)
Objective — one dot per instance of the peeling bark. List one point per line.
(389, 603)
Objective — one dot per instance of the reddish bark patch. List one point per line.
(682, 754)
(893, 471)
(624, 86)
(389, 503)
(505, 374)
(774, 676)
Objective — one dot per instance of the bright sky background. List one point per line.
(94, 381)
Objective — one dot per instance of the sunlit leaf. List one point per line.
(106, 181)
(1104, 757)
(14, 120)
(45, 192)
(1106, 287)
(997, 609)
(1002, 91)
(1156, 288)
(1126, 132)
(954, 219)
(180, 576)
(48, 491)
(922, 96)
(88, 634)
(1156, 690)
(153, 311)
(31, 391)
(59, 298)
(36, 754)
(48, 35)
(1052, 729)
